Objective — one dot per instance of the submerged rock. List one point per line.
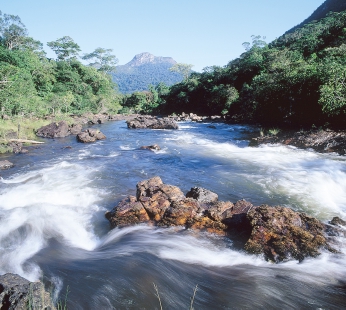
(278, 233)
(54, 130)
(17, 293)
(154, 147)
(90, 135)
(5, 164)
(152, 122)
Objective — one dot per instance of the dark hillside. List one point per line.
(322, 11)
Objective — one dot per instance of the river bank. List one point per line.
(322, 141)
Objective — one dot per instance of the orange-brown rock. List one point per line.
(128, 212)
(280, 233)
(180, 212)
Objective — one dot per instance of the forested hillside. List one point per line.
(143, 70)
(297, 80)
(33, 85)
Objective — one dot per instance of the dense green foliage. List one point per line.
(299, 79)
(31, 84)
(146, 102)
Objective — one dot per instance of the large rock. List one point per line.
(278, 233)
(152, 122)
(17, 293)
(54, 130)
(281, 233)
(90, 135)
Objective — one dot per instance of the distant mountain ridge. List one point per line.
(322, 11)
(143, 70)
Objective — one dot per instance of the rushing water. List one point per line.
(52, 224)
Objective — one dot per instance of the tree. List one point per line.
(183, 69)
(65, 48)
(102, 59)
(12, 31)
(257, 41)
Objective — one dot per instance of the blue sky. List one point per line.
(198, 32)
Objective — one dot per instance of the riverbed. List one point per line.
(52, 206)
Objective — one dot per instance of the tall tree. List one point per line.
(65, 48)
(183, 69)
(12, 31)
(102, 59)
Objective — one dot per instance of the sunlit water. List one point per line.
(52, 224)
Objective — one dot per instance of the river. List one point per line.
(52, 206)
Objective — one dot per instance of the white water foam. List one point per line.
(317, 182)
(56, 202)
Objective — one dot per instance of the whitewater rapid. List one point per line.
(53, 226)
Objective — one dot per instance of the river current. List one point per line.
(52, 224)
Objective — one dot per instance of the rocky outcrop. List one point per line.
(278, 233)
(17, 293)
(90, 135)
(59, 130)
(154, 147)
(5, 164)
(323, 141)
(54, 130)
(152, 122)
(75, 129)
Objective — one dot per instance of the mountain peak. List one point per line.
(143, 70)
(146, 58)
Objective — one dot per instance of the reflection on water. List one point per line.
(52, 221)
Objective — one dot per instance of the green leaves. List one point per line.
(102, 59)
(333, 92)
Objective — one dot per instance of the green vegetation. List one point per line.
(297, 80)
(32, 85)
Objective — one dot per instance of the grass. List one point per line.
(62, 305)
(192, 298)
(273, 131)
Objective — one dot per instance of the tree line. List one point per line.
(297, 80)
(33, 85)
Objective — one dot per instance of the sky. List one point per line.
(198, 32)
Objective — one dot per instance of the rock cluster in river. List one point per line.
(90, 135)
(17, 293)
(152, 122)
(278, 233)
